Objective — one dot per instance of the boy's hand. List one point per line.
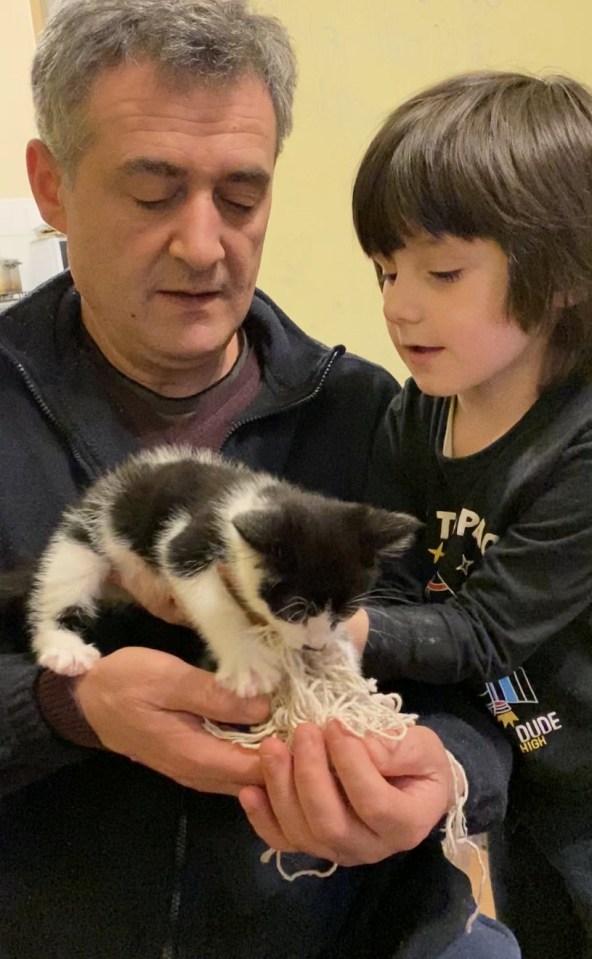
(357, 628)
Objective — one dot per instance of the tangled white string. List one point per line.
(317, 686)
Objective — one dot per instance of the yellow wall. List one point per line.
(358, 58)
(16, 113)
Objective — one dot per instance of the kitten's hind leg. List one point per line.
(68, 583)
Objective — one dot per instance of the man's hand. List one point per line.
(350, 800)
(148, 705)
(151, 591)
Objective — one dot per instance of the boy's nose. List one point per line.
(400, 304)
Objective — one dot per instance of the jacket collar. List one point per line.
(41, 337)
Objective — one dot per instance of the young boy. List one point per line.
(474, 202)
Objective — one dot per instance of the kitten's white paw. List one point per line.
(252, 680)
(64, 652)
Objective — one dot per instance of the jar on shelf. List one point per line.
(10, 278)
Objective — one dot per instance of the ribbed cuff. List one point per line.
(60, 710)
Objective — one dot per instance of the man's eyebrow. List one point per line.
(255, 175)
(160, 168)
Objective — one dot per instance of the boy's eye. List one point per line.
(446, 276)
(386, 278)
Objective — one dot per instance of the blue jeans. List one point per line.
(488, 939)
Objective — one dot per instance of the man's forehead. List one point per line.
(143, 87)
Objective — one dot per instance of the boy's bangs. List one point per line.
(419, 186)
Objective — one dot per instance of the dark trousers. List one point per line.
(487, 939)
(544, 897)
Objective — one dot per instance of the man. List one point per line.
(160, 124)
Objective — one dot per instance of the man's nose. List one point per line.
(400, 302)
(197, 233)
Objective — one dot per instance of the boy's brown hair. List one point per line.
(500, 156)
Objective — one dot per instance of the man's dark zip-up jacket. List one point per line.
(101, 858)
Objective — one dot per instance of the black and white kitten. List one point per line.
(237, 549)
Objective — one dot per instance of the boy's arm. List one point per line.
(472, 737)
(529, 586)
(465, 730)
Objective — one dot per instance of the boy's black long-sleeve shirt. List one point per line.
(504, 565)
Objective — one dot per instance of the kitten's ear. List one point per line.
(259, 528)
(386, 532)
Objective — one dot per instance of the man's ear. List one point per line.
(46, 184)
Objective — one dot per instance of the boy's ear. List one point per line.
(46, 184)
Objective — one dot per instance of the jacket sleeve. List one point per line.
(29, 746)
(29, 749)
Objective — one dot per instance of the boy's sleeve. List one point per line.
(474, 740)
(530, 586)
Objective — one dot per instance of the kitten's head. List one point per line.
(311, 560)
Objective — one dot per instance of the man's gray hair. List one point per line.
(190, 41)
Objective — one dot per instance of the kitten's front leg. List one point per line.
(251, 668)
(245, 665)
(69, 581)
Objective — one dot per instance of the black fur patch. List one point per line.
(75, 619)
(159, 492)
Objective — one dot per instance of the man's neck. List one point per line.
(170, 376)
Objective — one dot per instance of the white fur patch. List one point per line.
(245, 665)
(64, 652)
(71, 576)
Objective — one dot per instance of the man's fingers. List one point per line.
(258, 811)
(198, 692)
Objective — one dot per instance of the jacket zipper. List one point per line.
(282, 409)
(35, 393)
(169, 950)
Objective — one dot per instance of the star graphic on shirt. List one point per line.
(464, 566)
(507, 719)
(437, 553)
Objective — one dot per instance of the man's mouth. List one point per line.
(191, 294)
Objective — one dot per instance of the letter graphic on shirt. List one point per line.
(488, 540)
(447, 523)
(467, 519)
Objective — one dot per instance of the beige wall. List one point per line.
(358, 58)
(16, 50)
